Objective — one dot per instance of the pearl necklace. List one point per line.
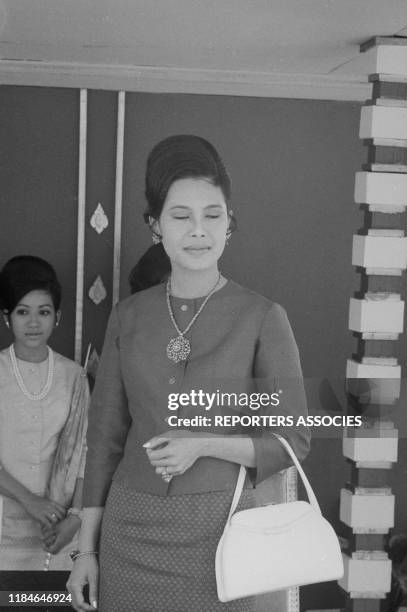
(16, 371)
(179, 348)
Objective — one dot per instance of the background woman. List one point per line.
(164, 493)
(43, 413)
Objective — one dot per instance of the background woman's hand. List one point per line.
(85, 571)
(59, 535)
(175, 451)
(43, 510)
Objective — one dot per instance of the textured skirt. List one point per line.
(157, 554)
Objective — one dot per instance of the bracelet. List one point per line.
(77, 553)
(75, 512)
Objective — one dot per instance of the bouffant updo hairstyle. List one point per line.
(25, 273)
(174, 158)
(179, 157)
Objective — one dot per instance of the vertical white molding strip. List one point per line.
(121, 99)
(80, 257)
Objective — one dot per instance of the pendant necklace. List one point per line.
(179, 348)
(44, 391)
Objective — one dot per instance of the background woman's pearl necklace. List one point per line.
(44, 391)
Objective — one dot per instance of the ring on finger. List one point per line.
(165, 475)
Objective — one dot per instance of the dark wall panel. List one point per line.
(38, 195)
(100, 189)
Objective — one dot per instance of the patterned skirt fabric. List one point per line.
(158, 553)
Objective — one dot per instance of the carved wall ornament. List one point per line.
(99, 220)
(97, 292)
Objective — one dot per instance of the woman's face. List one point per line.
(33, 320)
(193, 224)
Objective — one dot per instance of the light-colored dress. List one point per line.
(30, 431)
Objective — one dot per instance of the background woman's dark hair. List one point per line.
(25, 273)
(151, 269)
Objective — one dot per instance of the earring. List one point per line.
(153, 223)
(7, 324)
(228, 238)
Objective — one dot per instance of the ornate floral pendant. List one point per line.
(178, 349)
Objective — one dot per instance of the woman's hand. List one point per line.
(43, 510)
(173, 452)
(48, 536)
(56, 537)
(85, 571)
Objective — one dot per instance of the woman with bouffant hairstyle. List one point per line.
(157, 494)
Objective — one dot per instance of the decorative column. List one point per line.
(376, 317)
(101, 234)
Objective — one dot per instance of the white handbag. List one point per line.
(275, 547)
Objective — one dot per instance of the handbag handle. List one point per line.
(242, 475)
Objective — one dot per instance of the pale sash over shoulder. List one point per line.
(69, 457)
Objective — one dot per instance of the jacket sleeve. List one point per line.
(109, 420)
(277, 369)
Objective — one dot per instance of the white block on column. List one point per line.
(371, 444)
(375, 384)
(390, 59)
(366, 575)
(355, 369)
(370, 449)
(383, 122)
(379, 252)
(380, 316)
(381, 188)
(362, 512)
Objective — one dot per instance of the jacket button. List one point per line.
(171, 380)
